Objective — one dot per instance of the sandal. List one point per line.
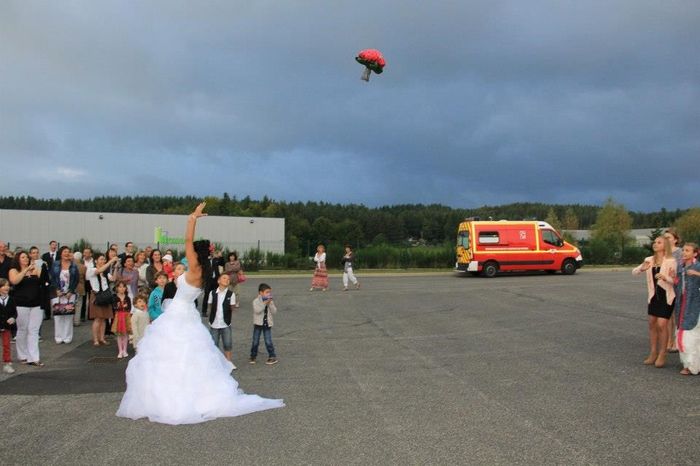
(36, 364)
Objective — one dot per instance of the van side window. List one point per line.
(549, 237)
(488, 237)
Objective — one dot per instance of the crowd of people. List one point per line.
(673, 297)
(120, 292)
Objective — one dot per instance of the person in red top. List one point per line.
(168, 266)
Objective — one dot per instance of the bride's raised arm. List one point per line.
(194, 269)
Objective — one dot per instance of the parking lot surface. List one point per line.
(410, 369)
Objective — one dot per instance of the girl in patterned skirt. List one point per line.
(320, 279)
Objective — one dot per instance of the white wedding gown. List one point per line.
(179, 376)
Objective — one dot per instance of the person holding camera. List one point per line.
(348, 275)
(263, 310)
(99, 282)
(25, 278)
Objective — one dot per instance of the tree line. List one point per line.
(404, 226)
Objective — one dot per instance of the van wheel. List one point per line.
(490, 269)
(568, 267)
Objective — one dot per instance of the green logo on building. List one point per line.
(161, 237)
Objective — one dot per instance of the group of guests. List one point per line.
(71, 287)
(320, 278)
(673, 301)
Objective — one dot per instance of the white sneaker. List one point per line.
(8, 369)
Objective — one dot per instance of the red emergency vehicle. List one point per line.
(489, 247)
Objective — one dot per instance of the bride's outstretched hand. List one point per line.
(198, 210)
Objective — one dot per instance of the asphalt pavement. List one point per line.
(419, 369)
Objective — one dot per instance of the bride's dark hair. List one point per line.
(201, 247)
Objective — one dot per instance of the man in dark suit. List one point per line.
(50, 256)
(128, 252)
(5, 261)
(215, 260)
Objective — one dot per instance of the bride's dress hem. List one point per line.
(179, 376)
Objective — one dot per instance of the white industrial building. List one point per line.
(640, 236)
(24, 228)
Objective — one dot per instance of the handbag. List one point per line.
(63, 306)
(240, 277)
(103, 297)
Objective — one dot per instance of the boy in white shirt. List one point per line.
(139, 319)
(222, 303)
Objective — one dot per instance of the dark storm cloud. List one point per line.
(481, 102)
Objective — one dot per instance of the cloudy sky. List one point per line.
(481, 102)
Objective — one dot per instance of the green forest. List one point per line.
(406, 235)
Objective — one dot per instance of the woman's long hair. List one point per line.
(15, 260)
(201, 248)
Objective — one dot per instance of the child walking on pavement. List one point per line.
(263, 310)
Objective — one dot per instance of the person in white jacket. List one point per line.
(348, 275)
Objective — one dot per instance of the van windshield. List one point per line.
(463, 239)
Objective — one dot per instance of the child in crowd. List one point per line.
(121, 324)
(688, 309)
(263, 310)
(171, 286)
(168, 266)
(154, 301)
(139, 319)
(8, 317)
(222, 302)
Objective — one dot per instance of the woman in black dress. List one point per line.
(660, 272)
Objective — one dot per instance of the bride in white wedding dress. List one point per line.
(178, 375)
